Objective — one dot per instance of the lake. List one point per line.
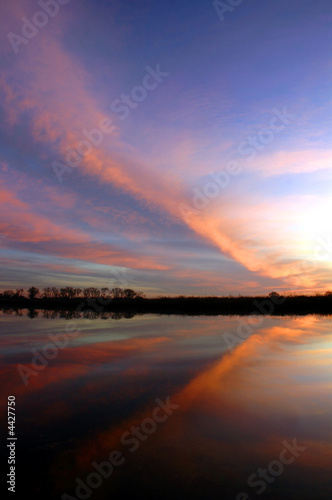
(169, 407)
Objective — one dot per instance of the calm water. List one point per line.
(99, 407)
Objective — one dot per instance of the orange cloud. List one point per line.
(59, 110)
(22, 225)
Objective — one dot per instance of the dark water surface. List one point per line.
(165, 408)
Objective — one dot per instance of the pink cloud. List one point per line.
(21, 225)
(59, 108)
(292, 162)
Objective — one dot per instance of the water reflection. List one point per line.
(235, 408)
(66, 314)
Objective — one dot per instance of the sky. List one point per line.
(172, 147)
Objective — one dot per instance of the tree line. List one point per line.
(69, 292)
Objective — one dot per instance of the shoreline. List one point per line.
(190, 306)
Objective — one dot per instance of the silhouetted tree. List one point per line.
(105, 292)
(32, 313)
(55, 292)
(116, 293)
(70, 292)
(91, 292)
(129, 294)
(33, 292)
(48, 292)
